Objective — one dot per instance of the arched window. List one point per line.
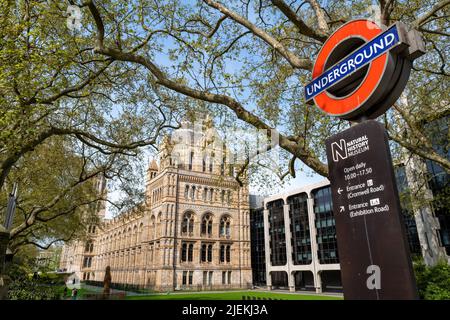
(206, 253)
(187, 226)
(152, 228)
(186, 191)
(205, 191)
(141, 229)
(187, 252)
(211, 196)
(207, 224)
(193, 193)
(225, 226)
(128, 237)
(158, 225)
(225, 253)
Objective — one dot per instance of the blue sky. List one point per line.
(162, 60)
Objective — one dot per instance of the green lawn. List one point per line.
(81, 293)
(230, 296)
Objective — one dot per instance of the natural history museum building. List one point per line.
(192, 231)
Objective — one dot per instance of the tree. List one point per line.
(52, 84)
(133, 68)
(254, 57)
(67, 117)
(56, 197)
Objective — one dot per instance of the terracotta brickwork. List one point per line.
(192, 232)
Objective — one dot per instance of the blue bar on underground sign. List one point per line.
(356, 60)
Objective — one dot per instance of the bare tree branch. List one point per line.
(321, 20)
(299, 23)
(424, 18)
(297, 148)
(293, 60)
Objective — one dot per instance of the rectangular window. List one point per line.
(205, 277)
(184, 278)
(190, 277)
(229, 277)
(224, 275)
(228, 253)
(210, 253)
(203, 253)
(222, 166)
(183, 252)
(222, 253)
(191, 160)
(210, 278)
(190, 252)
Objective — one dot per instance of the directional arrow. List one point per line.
(341, 209)
(340, 190)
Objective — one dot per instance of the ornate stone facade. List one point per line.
(192, 232)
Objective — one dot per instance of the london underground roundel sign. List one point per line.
(362, 69)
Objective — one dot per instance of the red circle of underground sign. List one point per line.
(337, 106)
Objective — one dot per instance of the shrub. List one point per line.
(433, 282)
(23, 286)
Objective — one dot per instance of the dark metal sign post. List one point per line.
(373, 249)
(11, 208)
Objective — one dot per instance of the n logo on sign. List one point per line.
(339, 150)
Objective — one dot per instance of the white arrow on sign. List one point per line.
(340, 190)
(341, 209)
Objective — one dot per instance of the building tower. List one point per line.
(193, 229)
(78, 255)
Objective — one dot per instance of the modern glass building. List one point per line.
(300, 237)
(408, 214)
(439, 179)
(298, 230)
(299, 226)
(325, 225)
(257, 246)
